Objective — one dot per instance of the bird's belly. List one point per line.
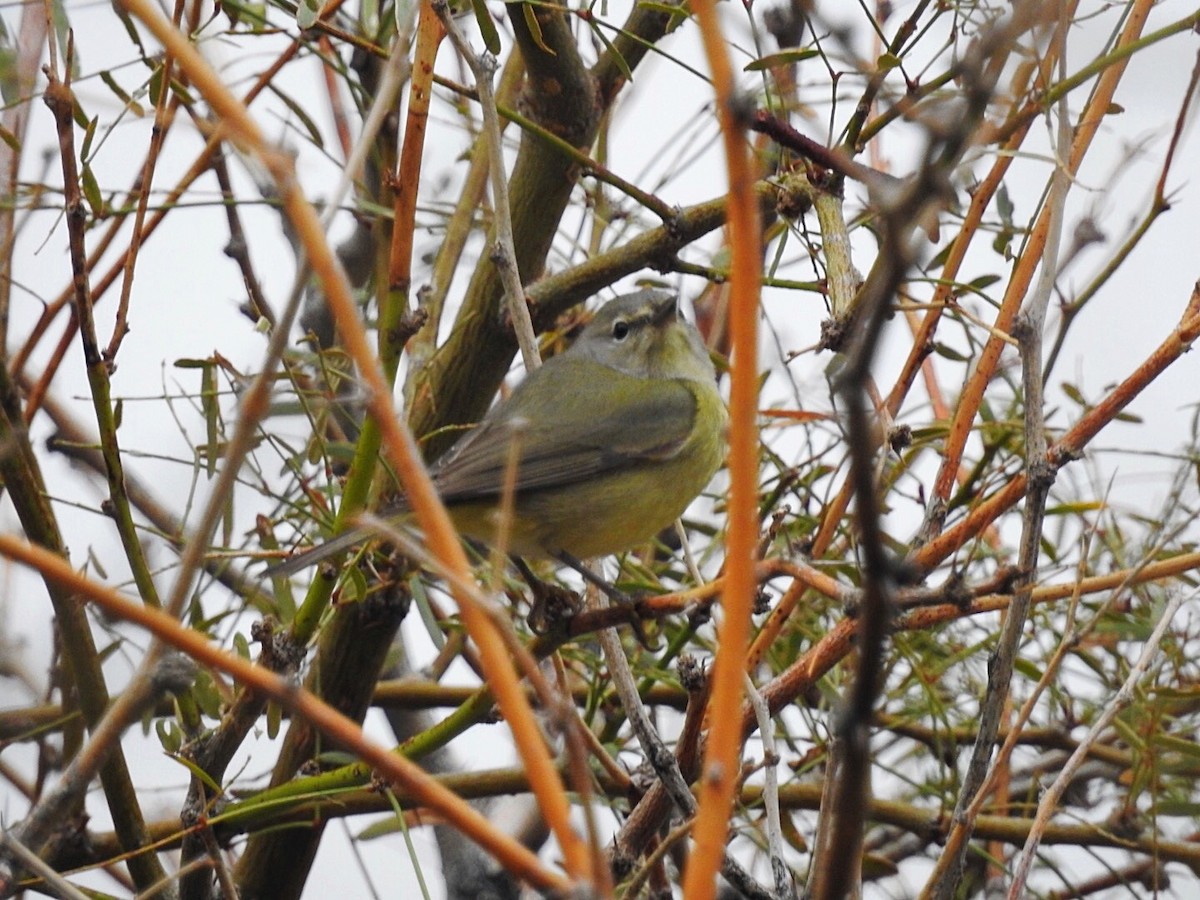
(606, 514)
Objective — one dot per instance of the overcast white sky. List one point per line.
(186, 292)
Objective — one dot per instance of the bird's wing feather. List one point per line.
(615, 422)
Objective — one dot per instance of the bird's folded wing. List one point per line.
(619, 421)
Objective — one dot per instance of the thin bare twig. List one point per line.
(299, 701)
(901, 213)
(12, 844)
(660, 757)
(60, 98)
(504, 253)
(1050, 800)
(164, 117)
(31, 37)
(170, 673)
(784, 886)
(1028, 330)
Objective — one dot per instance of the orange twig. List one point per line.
(836, 643)
(720, 773)
(337, 106)
(972, 396)
(101, 285)
(299, 702)
(399, 444)
(408, 170)
(1070, 444)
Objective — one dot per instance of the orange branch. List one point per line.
(399, 444)
(100, 286)
(1071, 443)
(719, 776)
(408, 172)
(972, 395)
(340, 729)
(836, 643)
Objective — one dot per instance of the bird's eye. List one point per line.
(620, 330)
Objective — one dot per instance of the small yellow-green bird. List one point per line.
(614, 438)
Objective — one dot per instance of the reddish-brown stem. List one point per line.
(408, 171)
(719, 778)
(1022, 276)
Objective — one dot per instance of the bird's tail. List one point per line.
(314, 555)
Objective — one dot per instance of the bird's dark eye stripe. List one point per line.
(622, 327)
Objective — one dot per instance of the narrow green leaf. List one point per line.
(1173, 744)
(354, 585)
(1049, 549)
(11, 139)
(1004, 204)
(130, 29)
(274, 718)
(617, 58)
(257, 14)
(9, 85)
(487, 27)
(135, 107)
(432, 627)
(948, 352)
(314, 133)
(91, 191)
(208, 403)
(876, 866)
(196, 771)
(78, 113)
(535, 28)
(1187, 808)
(983, 281)
(939, 259)
(169, 735)
(382, 828)
(1029, 669)
(1188, 694)
(1129, 734)
(227, 521)
(186, 98)
(335, 758)
(665, 8)
(206, 695)
(156, 83)
(782, 58)
(1003, 243)
(89, 135)
(1074, 509)
(1073, 393)
(678, 14)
